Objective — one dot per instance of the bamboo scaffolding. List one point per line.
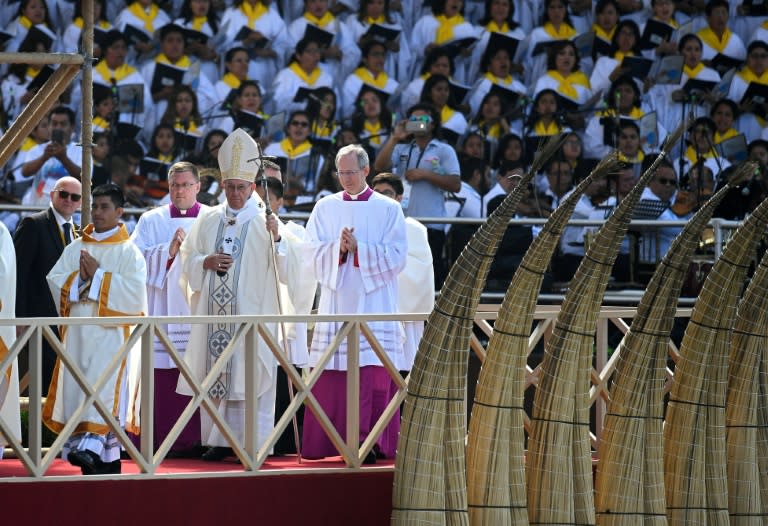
(560, 487)
(695, 472)
(745, 503)
(630, 477)
(430, 478)
(495, 448)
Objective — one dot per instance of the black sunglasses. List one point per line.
(664, 181)
(66, 195)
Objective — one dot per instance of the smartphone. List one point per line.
(415, 126)
(57, 135)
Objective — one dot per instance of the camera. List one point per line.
(415, 126)
(57, 136)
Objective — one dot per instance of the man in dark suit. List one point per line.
(39, 241)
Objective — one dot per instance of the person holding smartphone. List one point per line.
(50, 161)
(429, 167)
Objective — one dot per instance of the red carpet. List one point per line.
(289, 495)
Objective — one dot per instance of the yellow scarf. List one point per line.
(765, 24)
(445, 114)
(693, 72)
(253, 12)
(190, 129)
(231, 80)
(323, 21)
(137, 10)
(720, 137)
(692, 156)
(373, 132)
(546, 129)
(602, 34)
(198, 22)
(100, 122)
(32, 72)
(28, 144)
(323, 132)
(671, 22)
(378, 20)
(498, 80)
(620, 56)
(165, 157)
(79, 23)
(493, 132)
(182, 63)
(445, 28)
(367, 77)
(294, 152)
(564, 32)
(118, 74)
(632, 160)
(566, 84)
(749, 76)
(711, 39)
(25, 22)
(493, 27)
(308, 79)
(634, 114)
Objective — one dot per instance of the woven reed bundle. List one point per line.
(745, 503)
(560, 487)
(762, 429)
(495, 448)
(695, 471)
(630, 477)
(430, 478)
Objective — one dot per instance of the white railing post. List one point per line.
(353, 392)
(251, 434)
(147, 410)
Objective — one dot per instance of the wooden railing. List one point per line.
(252, 455)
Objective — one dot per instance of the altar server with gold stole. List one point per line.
(100, 274)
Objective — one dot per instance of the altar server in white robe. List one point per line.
(159, 234)
(9, 376)
(99, 274)
(227, 270)
(357, 243)
(416, 283)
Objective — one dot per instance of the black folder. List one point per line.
(655, 33)
(166, 75)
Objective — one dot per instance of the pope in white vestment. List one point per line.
(227, 270)
(9, 376)
(115, 288)
(356, 242)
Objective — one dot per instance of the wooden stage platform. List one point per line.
(192, 492)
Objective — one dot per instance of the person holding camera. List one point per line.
(429, 168)
(50, 161)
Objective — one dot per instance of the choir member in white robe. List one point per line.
(227, 270)
(416, 283)
(159, 234)
(357, 243)
(9, 376)
(342, 55)
(99, 274)
(265, 24)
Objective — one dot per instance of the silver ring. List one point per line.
(219, 265)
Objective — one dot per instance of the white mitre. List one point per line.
(239, 157)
